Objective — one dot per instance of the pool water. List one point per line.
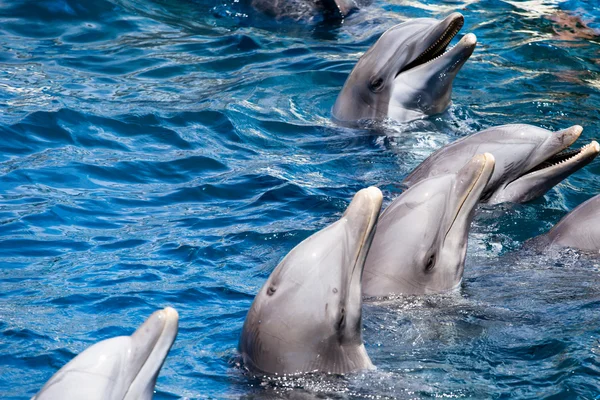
(160, 153)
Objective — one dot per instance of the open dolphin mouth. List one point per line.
(569, 161)
(440, 45)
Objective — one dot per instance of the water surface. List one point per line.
(160, 153)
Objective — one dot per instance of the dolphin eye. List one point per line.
(376, 84)
(430, 262)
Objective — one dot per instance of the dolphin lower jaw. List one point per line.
(541, 178)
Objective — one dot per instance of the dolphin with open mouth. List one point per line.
(529, 160)
(407, 74)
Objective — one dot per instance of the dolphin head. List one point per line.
(579, 229)
(307, 317)
(123, 368)
(529, 160)
(406, 74)
(421, 239)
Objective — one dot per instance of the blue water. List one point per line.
(158, 153)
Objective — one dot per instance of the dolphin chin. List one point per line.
(307, 317)
(421, 239)
(406, 74)
(121, 368)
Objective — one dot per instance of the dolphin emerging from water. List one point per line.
(407, 74)
(529, 160)
(307, 317)
(121, 368)
(579, 229)
(421, 239)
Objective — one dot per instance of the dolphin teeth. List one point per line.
(438, 48)
(564, 157)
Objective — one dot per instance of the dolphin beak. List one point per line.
(361, 216)
(151, 343)
(443, 67)
(559, 141)
(554, 163)
(470, 182)
(460, 53)
(435, 41)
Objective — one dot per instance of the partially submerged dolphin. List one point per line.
(421, 239)
(123, 368)
(305, 9)
(407, 74)
(529, 160)
(307, 317)
(579, 229)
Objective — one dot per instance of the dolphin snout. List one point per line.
(475, 174)
(454, 18)
(468, 40)
(365, 206)
(570, 135)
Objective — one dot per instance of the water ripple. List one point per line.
(162, 153)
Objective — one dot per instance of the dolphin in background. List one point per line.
(121, 368)
(298, 10)
(407, 74)
(307, 317)
(579, 229)
(529, 160)
(421, 239)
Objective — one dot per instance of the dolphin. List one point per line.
(305, 9)
(421, 239)
(407, 74)
(123, 368)
(307, 317)
(529, 160)
(579, 229)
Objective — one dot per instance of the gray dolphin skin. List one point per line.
(305, 9)
(308, 315)
(579, 229)
(529, 160)
(421, 239)
(407, 74)
(121, 368)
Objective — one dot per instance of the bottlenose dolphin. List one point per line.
(305, 9)
(405, 75)
(123, 368)
(307, 317)
(529, 160)
(578, 229)
(421, 239)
